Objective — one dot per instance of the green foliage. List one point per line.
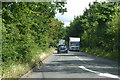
(98, 27)
(27, 28)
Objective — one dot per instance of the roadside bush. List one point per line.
(99, 29)
(26, 33)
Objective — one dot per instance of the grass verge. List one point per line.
(16, 69)
(102, 53)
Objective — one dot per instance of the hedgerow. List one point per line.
(28, 29)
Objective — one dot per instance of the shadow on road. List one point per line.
(70, 55)
(71, 66)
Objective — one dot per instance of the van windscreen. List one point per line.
(74, 43)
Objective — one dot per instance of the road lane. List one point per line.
(75, 65)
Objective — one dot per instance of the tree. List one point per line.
(25, 27)
(97, 27)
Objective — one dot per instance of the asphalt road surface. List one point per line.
(76, 65)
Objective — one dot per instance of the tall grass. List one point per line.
(13, 69)
(102, 53)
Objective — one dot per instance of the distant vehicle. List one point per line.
(61, 42)
(74, 43)
(62, 49)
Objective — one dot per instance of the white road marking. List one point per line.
(108, 75)
(80, 59)
(84, 68)
(99, 74)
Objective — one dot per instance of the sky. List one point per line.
(74, 8)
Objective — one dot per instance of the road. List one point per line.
(76, 65)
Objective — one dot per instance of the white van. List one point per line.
(74, 43)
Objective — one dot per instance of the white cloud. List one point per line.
(74, 8)
(66, 23)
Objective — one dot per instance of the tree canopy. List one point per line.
(29, 25)
(98, 27)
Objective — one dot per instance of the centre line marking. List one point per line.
(99, 74)
(80, 59)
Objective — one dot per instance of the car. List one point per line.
(62, 49)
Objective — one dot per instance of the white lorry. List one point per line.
(61, 42)
(74, 43)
